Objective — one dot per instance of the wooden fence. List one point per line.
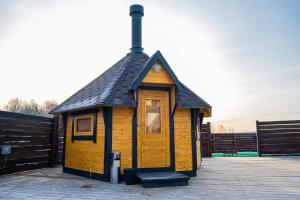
(35, 142)
(233, 142)
(205, 138)
(278, 137)
(225, 142)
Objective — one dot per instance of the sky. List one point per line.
(242, 57)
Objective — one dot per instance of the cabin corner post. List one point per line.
(64, 122)
(194, 113)
(134, 139)
(107, 116)
(172, 134)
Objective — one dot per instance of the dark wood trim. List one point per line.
(82, 137)
(174, 110)
(92, 137)
(73, 119)
(134, 133)
(191, 173)
(165, 184)
(154, 169)
(107, 116)
(86, 174)
(162, 88)
(172, 137)
(134, 139)
(83, 112)
(64, 121)
(95, 128)
(201, 116)
(194, 137)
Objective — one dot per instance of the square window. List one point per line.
(84, 125)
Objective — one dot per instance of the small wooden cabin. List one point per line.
(137, 107)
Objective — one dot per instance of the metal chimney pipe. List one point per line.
(136, 13)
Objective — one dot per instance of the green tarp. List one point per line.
(238, 154)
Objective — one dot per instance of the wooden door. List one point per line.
(153, 129)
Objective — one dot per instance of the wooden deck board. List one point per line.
(218, 178)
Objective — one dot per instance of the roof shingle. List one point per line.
(112, 88)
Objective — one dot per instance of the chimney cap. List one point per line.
(136, 8)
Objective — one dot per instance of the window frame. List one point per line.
(86, 116)
(84, 135)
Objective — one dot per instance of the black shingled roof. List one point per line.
(112, 88)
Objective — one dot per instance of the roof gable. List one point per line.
(160, 77)
(157, 57)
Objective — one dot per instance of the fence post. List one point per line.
(258, 138)
(55, 137)
(209, 140)
(234, 143)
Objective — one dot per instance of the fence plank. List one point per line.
(205, 140)
(278, 137)
(34, 142)
(278, 122)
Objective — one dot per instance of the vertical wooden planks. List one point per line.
(183, 144)
(122, 134)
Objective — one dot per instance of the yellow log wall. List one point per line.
(122, 134)
(158, 77)
(85, 155)
(183, 140)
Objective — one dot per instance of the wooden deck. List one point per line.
(249, 178)
(218, 178)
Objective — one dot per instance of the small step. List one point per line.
(162, 179)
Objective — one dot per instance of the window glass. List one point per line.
(153, 119)
(84, 125)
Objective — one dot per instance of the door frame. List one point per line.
(171, 131)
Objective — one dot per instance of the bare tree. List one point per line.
(47, 106)
(13, 105)
(30, 107)
(231, 130)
